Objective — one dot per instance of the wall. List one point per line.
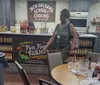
(21, 12)
(5, 13)
(93, 12)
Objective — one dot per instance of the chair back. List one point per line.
(94, 56)
(54, 59)
(22, 73)
(45, 82)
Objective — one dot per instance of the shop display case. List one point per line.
(26, 48)
(86, 43)
(6, 46)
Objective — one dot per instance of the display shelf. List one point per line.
(6, 46)
(26, 48)
(86, 43)
(86, 46)
(95, 23)
(8, 54)
(7, 43)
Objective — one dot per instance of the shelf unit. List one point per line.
(12, 44)
(85, 44)
(95, 23)
(6, 46)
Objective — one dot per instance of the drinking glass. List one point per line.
(83, 66)
(98, 62)
(90, 72)
(70, 61)
(74, 64)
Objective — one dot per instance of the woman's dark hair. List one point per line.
(66, 13)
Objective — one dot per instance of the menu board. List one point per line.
(40, 11)
(27, 49)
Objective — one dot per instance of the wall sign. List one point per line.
(39, 11)
(27, 49)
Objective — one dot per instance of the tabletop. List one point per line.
(64, 76)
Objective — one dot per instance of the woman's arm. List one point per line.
(73, 33)
(49, 42)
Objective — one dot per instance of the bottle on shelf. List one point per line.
(89, 67)
(98, 75)
(23, 27)
(17, 25)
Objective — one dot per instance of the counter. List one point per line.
(26, 49)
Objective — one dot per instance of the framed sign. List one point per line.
(41, 11)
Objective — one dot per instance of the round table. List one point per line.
(64, 76)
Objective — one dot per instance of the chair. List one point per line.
(54, 59)
(94, 56)
(45, 82)
(22, 73)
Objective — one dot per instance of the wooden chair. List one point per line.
(22, 73)
(54, 59)
(45, 82)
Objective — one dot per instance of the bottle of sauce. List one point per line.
(89, 67)
(95, 73)
(98, 75)
(23, 27)
(31, 27)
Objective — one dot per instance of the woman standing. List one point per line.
(64, 33)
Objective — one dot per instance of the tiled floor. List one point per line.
(15, 79)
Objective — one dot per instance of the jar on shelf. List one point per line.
(13, 29)
(31, 27)
(23, 27)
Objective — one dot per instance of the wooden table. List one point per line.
(63, 75)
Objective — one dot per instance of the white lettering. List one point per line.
(39, 6)
(41, 16)
(32, 50)
(28, 47)
(41, 10)
(33, 7)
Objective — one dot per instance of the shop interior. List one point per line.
(25, 28)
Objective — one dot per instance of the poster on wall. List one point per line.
(41, 11)
(27, 49)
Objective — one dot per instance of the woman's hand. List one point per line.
(49, 42)
(73, 47)
(44, 50)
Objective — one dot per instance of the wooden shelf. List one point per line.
(78, 54)
(85, 46)
(5, 43)
(6, 51)
(95, 23)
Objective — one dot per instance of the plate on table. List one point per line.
(90, 81)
